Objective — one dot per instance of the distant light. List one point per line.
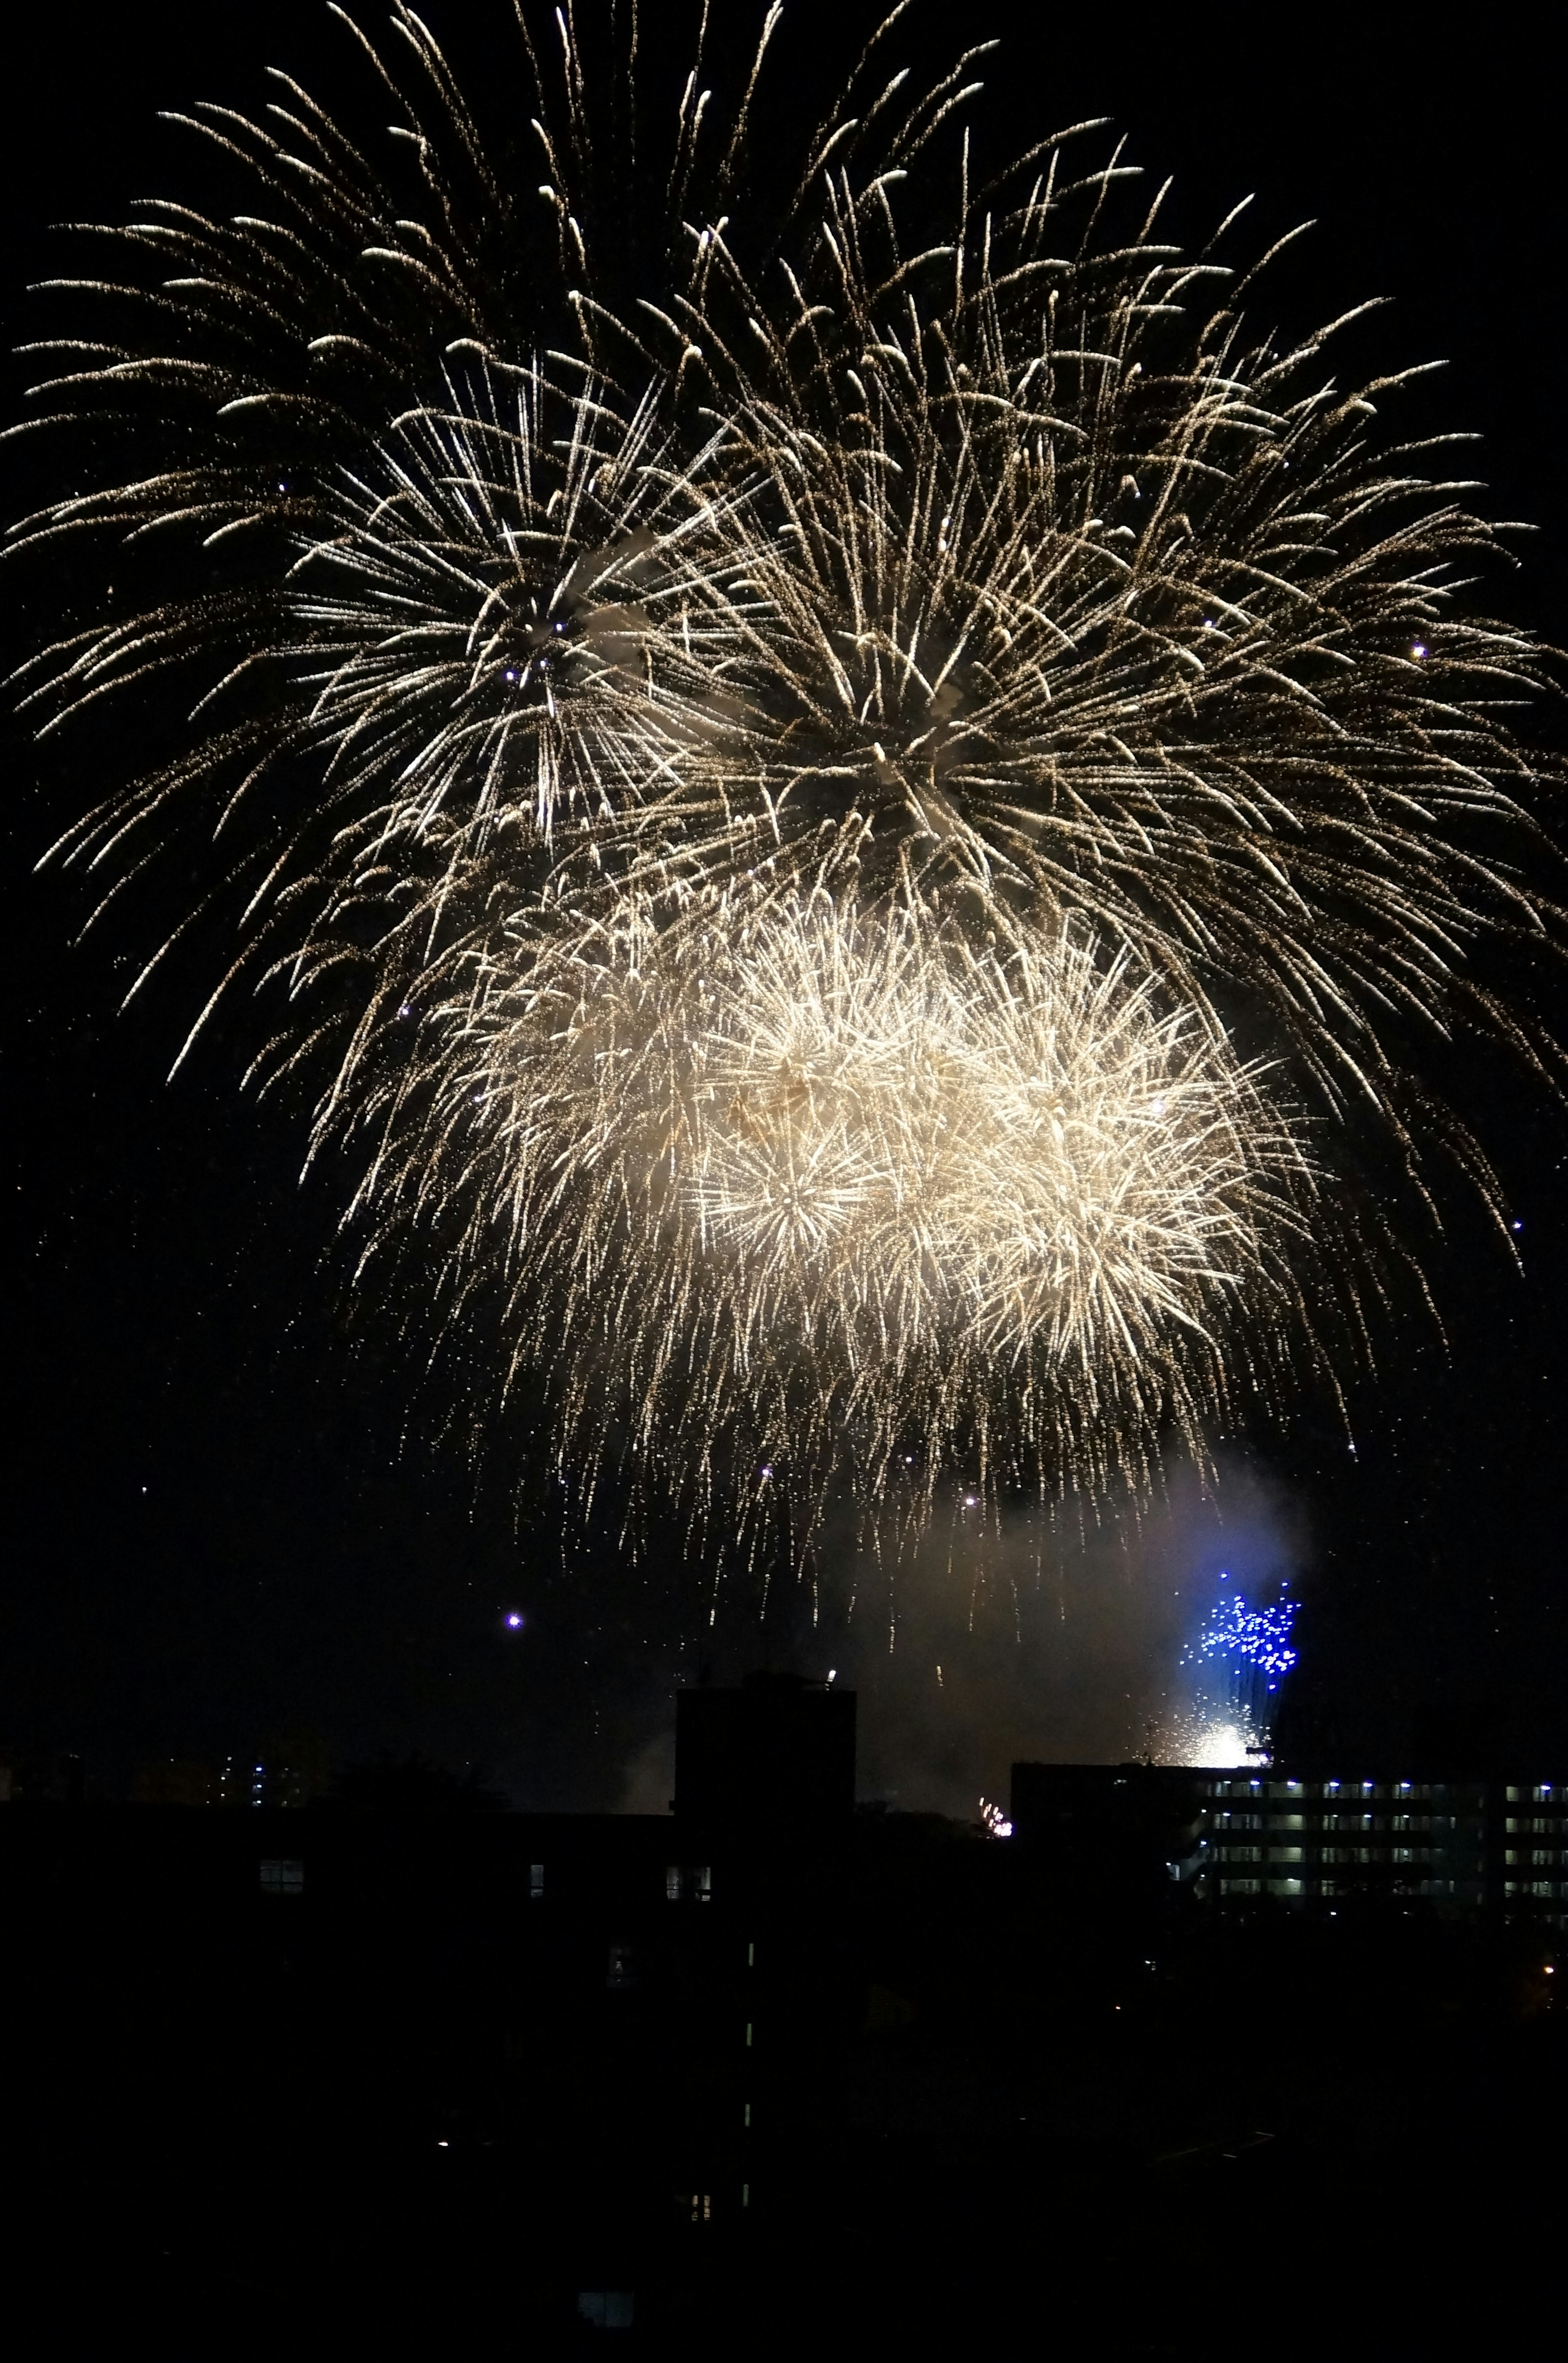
(514, 1622)
(1419, 650)
(1519, 1227)
(833, 1673)
(970, 1500)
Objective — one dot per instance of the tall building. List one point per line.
(778, 1753)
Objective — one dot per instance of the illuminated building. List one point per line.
(1457, 1845)
(1240, 1836)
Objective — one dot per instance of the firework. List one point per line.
(763, 760)
(1208, 1739)
(829, 1193)
(1256, 1637)
(1251, 1651)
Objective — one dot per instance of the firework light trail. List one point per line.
(758, 744)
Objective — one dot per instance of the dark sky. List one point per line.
(220, 1530)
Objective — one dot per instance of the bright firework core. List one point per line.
(1212, 1747)
(879, 1185)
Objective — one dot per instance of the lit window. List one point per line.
(673, 1882)
(535, 1880)
(282, 1879)
(1544, 1794)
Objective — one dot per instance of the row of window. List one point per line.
(1274, 1883)
(1259, 1791)
(692, 1882)
(1338, 1854)
(1406, 1824)
(681, 1881)
(1256, 1788)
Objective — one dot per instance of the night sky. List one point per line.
(225, 1528)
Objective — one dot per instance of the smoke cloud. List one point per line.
(977, 1647)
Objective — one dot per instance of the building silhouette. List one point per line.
(652, 2074)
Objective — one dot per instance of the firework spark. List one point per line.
(762, 747)
(1258, 1638)
(1248, 1652)
(844, 1194)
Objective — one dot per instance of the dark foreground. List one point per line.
(415, 2101)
